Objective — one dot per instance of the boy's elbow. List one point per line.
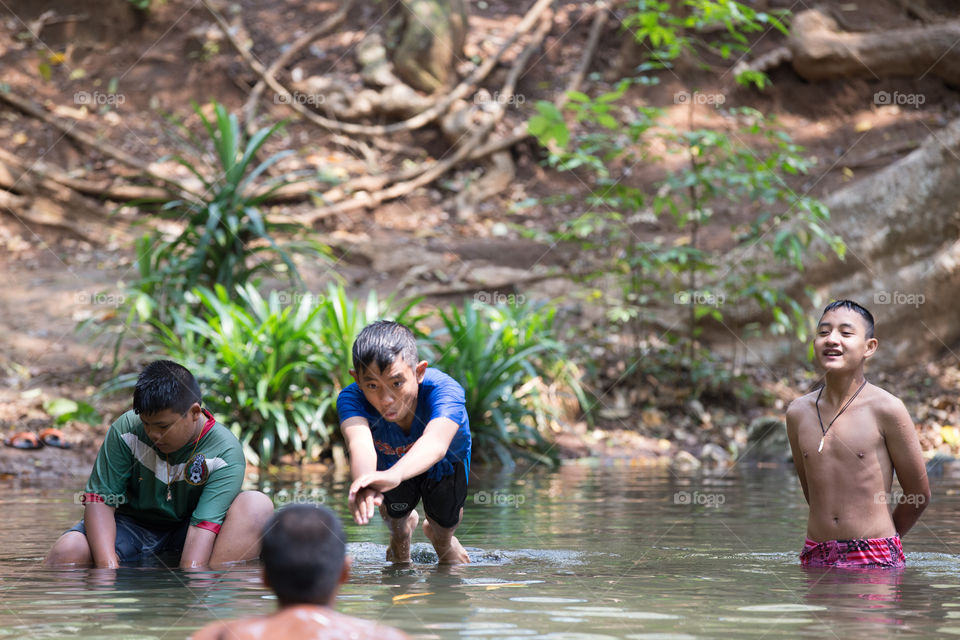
(437, 452)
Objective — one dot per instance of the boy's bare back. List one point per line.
(305, 621)
(847, 483)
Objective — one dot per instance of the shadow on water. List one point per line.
(578, 554)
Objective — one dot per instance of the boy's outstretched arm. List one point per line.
(98, 519)
(425, 452)
(903, 445)
(363, 460)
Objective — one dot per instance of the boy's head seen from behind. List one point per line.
(303, 554)
(164, 385)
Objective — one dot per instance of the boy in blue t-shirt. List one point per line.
(408, 435)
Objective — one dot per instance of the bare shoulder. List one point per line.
(888, 408)
(801, 405)
(216, 631)
(367, 629)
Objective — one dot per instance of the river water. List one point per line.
(585, 553)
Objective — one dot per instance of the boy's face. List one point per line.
(169, 430)
(841, 343)
(393, 392)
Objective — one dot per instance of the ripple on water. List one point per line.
(782, 608)
(496, 633)
(613, 612)
(423, 553)
(474, 625)
(766, 621)
(573, 635)
(545, 600)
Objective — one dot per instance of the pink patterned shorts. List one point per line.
(862, 553)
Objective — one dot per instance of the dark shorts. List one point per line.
(137, 542)
(442, 499)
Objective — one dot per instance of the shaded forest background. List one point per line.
(547, 160)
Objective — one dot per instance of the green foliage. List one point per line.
(64, 409)
(340, 321)
(270, 368)
(743, 167)
(263, 371)
(669, 32)
(226, 239)
(498, 353)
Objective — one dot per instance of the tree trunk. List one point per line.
(427, 41)
(821, 51)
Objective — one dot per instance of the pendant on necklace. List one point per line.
(819, 449)
(170, 497)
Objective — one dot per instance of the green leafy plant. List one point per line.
(744, 167)
(341, 319)
(494, 352)
(225, 238)
(669, 29)
(64, 409)
(262, 368)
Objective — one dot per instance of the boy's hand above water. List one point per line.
(363, 504)
(367, 492)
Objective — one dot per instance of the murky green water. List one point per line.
(578, 554)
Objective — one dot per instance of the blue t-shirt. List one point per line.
(439, 396)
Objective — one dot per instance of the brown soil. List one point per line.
(158, 63)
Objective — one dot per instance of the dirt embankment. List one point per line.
(58, 273)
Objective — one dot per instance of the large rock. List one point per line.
(767, 441)
(901, 227)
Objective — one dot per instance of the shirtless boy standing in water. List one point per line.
(848, 438)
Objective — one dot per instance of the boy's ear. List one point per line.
(345, 571)
(195, 410)
(353, 374)
(421, 370)
(871, 347)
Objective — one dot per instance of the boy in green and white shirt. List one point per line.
(167, 478)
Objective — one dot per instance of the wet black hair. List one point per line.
(163, 385)
(852, 306)
(381, 343)
(303, 551)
